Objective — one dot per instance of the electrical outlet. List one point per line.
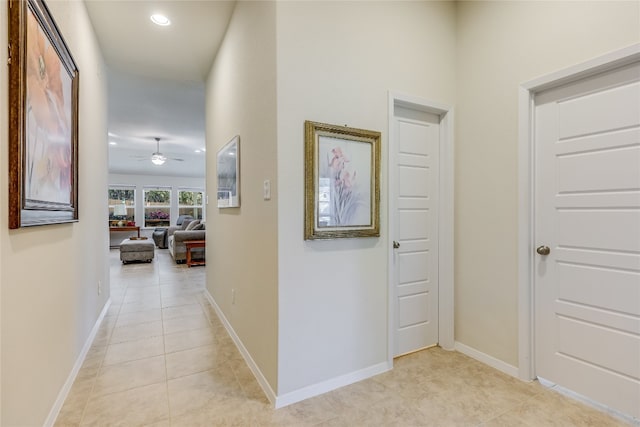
(99, 287)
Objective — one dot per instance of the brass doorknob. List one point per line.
(396, 245)
(543, 250)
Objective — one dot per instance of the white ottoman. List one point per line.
(137, 250)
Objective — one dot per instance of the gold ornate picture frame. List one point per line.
(342, 182)
(43, 119)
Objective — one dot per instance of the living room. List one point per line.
(157, 153)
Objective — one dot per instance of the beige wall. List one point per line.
(336, 63)
(501, 45)
(242, 243)
(49, 275)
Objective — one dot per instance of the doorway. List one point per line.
(420, 180)
(583, 254)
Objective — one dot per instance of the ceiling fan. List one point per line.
(157, 158)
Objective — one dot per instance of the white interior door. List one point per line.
(415, 164)
(587, 288)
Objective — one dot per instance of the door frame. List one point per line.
(526, 189)
(445, 223)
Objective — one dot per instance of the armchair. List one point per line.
(176, 239)
(161, 235)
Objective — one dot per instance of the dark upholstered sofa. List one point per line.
(160, 235)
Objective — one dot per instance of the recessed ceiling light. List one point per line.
(197, 151)
(204, 149)
(113, 143)
(161, 20)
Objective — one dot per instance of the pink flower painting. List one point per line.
(344, 195)
(343, 183)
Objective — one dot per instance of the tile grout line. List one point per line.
(127, 285)
(164, 346)
(95, 378)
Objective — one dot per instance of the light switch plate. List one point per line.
(266, 189)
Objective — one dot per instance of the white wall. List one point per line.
(500, 46)
(242, 242)
(49, 274)
(336, 63)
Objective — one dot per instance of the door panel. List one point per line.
(601, 177)
(413, 337)
(411, 139)
(415, 200)
(597, 258)
(598, 286)
(413, 288)
(600, 317)
(412, 309)
(586, 229)
(413, 267)
(587, 198)
(414, 181)
(574, 345)
(414, 224)
(592, 112)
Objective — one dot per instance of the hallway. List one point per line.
(163, 358)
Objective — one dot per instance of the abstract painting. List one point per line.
(43, 117)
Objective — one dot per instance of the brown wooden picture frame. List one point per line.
(342, 182)
(43, 119)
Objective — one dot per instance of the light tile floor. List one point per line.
(162, 358)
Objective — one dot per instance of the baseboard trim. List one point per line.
(264, 384)
(630, 419)
(331, 384)
(66, 388)
(487, 360)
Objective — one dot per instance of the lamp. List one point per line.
(120, 210)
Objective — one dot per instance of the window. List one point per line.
(190, 203)
(122, 204)
(157, 207)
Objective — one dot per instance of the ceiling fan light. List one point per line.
(158, 159)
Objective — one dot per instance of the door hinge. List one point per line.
(9, 57)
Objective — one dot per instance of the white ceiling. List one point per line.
(156, 79)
